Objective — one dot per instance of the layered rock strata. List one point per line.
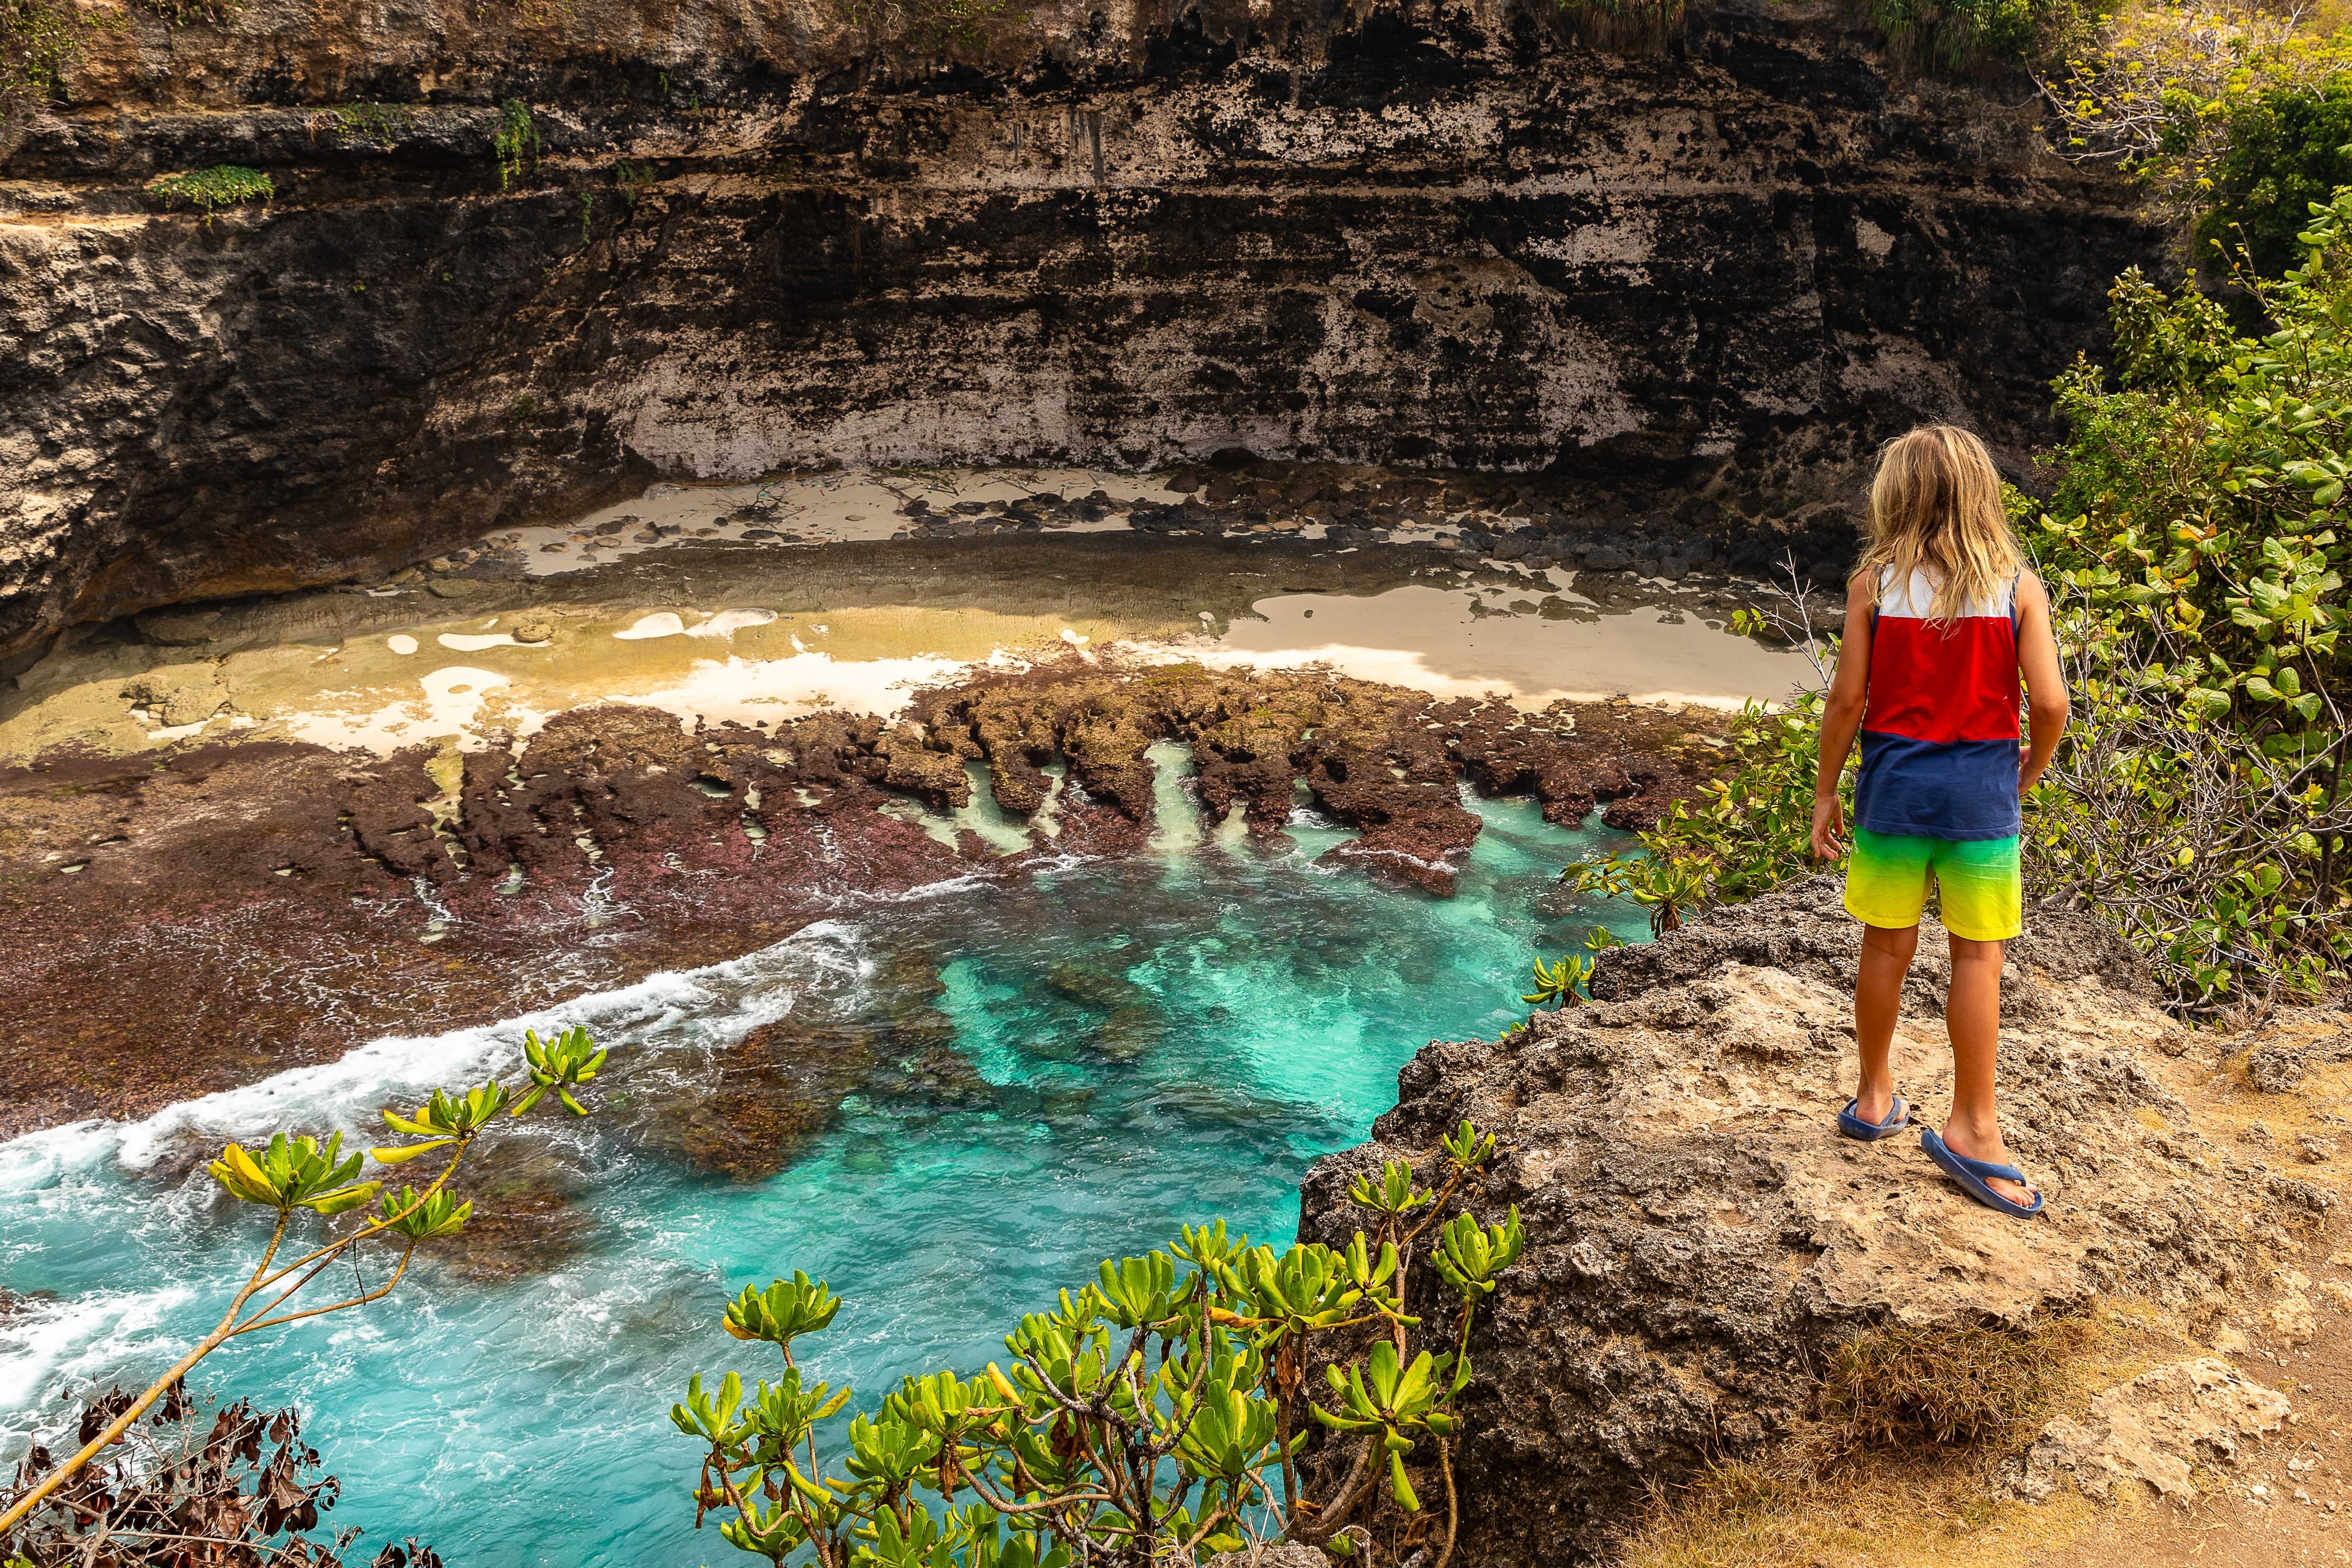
(1699, 1239)
(1701, 277)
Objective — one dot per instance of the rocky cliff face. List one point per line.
(1699, 1239)
(773, 233)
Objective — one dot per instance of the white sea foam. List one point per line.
(46, 1340)
(660, 624)
(731, 998)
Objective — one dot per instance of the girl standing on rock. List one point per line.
(1942, 619)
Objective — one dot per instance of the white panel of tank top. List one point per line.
(1912, 601)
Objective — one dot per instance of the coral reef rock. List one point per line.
(1699, 1237)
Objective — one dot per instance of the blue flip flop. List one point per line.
(1851, 1125)
(1971, 1174)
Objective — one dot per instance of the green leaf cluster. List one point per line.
(2197, 538)
(222, 186)
(1748, 830)
(294, 1173)
(1155, 1413)
(514, 143)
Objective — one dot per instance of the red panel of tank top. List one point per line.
(1943, 683)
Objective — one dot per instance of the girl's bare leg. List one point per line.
(1877, 998)
(1972, 1013)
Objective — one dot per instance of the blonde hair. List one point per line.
(1935, 506)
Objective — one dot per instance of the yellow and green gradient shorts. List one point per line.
(1983, 893)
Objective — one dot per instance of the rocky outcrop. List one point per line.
(1702, 277)
(433, 887)
(2153, 1429)
(1699, 1239)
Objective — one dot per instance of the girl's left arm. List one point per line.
(2045, 683)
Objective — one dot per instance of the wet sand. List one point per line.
(761, 633)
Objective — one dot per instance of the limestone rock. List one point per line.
(2292, 1316)
(1699, 1239)
(536, 626)
(1792, 349)
(2155, 1428)
(935, 777)
(178, 693)
(2297, 1043)
(179, 628)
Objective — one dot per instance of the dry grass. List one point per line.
(1626, 27)
(1897, 1387)
(1915, 1507)
(1901, 1464)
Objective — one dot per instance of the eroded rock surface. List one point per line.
(2155, 1428)
(1699, 1237)
(279, 902)
(1700, 282)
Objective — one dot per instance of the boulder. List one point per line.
(2155, 1428)
(1699, 1239)
(178, 693)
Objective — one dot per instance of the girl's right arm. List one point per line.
(1841, 718)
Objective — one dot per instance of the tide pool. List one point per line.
(1143, 1043)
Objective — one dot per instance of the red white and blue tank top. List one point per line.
(1939, 731)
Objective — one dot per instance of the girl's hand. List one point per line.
(1829, 829)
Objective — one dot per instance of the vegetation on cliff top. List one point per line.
(39, 42)
(2233, 117)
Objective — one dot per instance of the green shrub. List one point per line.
(2159, 93)
(634, 180)
(1752, 829)
(1155, 1414)
(515, 143)
(222, 186)
(2195, 533)
(379, 124)
(1563, 983)
(2283, 151)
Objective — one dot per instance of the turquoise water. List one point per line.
(1162, 1040)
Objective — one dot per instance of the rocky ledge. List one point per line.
(1699, 1239)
